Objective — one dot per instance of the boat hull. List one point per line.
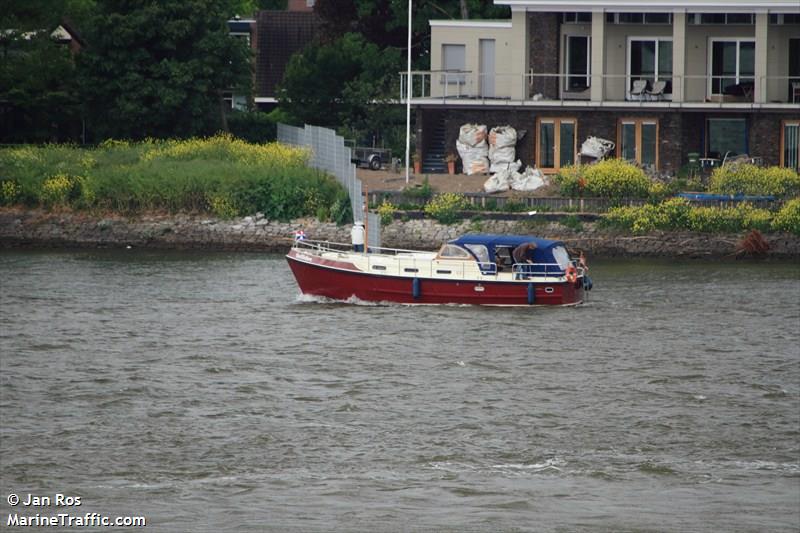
(345, 281)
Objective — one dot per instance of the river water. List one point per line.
(199, 391)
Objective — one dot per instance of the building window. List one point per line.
(790, 144)
(583, 17)
(784, 18)
(637, 141)
(747, 19)
(454, 58)
(732, 67)
(556, 143)
(578, 60)
(726, 137)
(639, 18)
(650, 59)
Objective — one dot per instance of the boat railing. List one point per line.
(329, 246)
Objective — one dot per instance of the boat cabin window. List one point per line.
(561, 256)
(451, 251)
(480, 252)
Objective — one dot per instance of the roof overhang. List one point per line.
(637, 6)
(495, 24)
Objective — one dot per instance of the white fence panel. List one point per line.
(328, 153)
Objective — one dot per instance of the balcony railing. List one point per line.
(568, 89)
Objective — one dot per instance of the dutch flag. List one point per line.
(299, 235)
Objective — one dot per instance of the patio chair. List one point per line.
(657, 92)
(639, 89)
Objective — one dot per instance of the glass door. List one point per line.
(649, 60)
(556, 143)
(733, 67)
(790, 144)
(638, 141)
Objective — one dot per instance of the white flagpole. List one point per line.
(408, 95)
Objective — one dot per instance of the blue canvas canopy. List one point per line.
(542, 254)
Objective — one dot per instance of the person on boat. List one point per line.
(357, 236)
(522, 255)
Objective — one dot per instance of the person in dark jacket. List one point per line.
(522, 254)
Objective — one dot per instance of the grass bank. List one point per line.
(220, 175)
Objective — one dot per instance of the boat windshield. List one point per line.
(561, 256)
(451, 251)
(480, 251)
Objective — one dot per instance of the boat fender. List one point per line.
(416, 289)
(587, 282)
(571, 274)
(531, 294)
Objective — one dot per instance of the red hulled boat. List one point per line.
(473, 269)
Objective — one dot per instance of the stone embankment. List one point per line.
(37, 228)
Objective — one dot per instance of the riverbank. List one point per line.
(36, 228)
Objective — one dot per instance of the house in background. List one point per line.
(661, 80)
(273, 36)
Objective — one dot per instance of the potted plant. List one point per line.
(451, 163)
(417, 163)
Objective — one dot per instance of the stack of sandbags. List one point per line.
(501, 181)
(472, 149)
(502, 142)
(511, 178)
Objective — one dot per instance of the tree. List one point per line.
(383, 22)
(158, 68)
(38, 90)
(341, 84)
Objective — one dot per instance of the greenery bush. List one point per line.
(788, 218)
(221, 175)
(610, 178)
(445, 207)
(678, 214)
(386, 211)
(752, 180)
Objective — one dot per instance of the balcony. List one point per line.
(467, 88)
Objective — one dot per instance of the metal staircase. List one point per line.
(433, 158)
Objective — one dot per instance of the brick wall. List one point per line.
(765, 135)
(544, 52)
(672, 154)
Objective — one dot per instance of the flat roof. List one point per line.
(471, 23)
(637, 6)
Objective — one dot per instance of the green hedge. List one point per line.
(610, 178)
(678, 214)
(753, 180)
(221, 175)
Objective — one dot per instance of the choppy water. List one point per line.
(198, 390)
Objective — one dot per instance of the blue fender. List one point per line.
(531, 294)
(416, 289)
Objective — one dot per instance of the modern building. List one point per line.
(661, 79)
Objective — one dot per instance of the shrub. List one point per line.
(570, 181)
(678, 214)
(223, 206)
(788, 218)
(424, 191)
(9, 192)
(386, 211)
(445, 207)
(189, 175)
(341, 211)
(610, 178)
(615, 178)
(752, 180)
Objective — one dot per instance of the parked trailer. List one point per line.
(372, 158)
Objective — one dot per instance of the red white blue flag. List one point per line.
(299, 235)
